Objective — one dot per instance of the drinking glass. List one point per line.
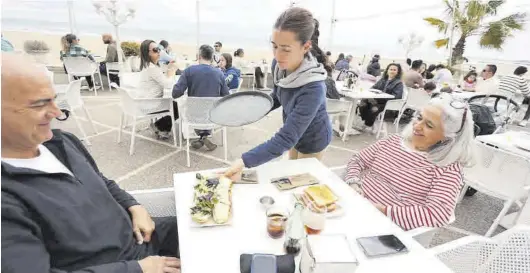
(276, 221)
(314, 218)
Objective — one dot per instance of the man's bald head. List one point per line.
(19, 74)
(28, 106)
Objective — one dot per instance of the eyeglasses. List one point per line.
(156, 50)
(458, 104)
(216, 46)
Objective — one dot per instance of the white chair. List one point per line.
(194, 114)
(141, 109)
(391, 105)
(158, 202)
(71, 101)
(506, 252)
(340, 109)
(82, 67)
(499, 174)
(115, 67)
(416, 99)
(130, 79)
(265, 77)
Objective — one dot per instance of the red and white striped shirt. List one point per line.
(415, 192)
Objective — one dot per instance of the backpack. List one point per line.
(483, 118)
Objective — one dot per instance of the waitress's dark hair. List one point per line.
(400, 71)
(144, 54)
(300, 21)
(228, 59)
(238, 52)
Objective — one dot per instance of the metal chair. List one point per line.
(340, 109)
(71, 101)
(499, 174)
(238, 87)
(506, 252)
(194, 114)
(82, 67)
(158, 202)
(503, 108)
(112, 69)
(143, 108)
(391, 105)
(416, 99)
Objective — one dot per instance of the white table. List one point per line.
(217, 249)
(505, 141)
(358, 93)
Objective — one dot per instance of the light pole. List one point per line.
(116, 16)
(332, 26)
(410, 42)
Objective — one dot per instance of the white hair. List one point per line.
(457, 146)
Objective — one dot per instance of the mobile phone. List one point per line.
(379, 246)
(263, 263)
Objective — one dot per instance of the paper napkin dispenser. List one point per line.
(327, 253)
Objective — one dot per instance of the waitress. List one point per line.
(299, 87)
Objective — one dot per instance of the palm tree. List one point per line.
(470, 19)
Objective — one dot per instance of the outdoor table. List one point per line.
(505, 141)
(358, 93)
(217, 249)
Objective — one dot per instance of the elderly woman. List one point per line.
(415, 178)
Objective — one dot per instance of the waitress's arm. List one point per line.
(306, 106)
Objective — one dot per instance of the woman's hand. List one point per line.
(234, 172)
(357, 188)
(381, 208)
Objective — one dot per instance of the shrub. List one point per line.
(130, 49)
(33, 46)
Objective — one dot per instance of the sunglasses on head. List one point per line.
(156, 49)
(458, 104)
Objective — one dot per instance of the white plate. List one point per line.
(210, 223)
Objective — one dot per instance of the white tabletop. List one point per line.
(361, 91)
(217, 249)
(507, 141)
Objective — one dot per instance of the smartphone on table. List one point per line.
(263, 263)
(380, 246)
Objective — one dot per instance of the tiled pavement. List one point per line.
(154, 161)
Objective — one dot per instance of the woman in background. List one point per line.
(429, 75)
(71, 48)
(423, 69)
(153, 82)
(239, 62)
(232, 74)
(391, 84)
(340, 58)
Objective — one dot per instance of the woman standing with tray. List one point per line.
(299, 87)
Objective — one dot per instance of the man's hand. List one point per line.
(143, 225)
(235, 171)
(158, 264)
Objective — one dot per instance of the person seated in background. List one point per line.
(331, 88)
(239, 62)
(429, 73)
(72, 48)
(443, 75)
(429, 87)
(470, 81)
(165, 51)
(413, 78)
(153, 82)
(111, 57)
(340, 58)
(344, 64)
(391, 84)
(488, 84)
(516, 84)
(374, 68)
(202, 80)
(423, 69)
(6, 45)
(231, 73)
(218, 46)
(407, 65)
(59, 212)
(415, 178)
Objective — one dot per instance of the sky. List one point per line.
(363, 27)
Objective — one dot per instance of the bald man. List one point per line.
(59, 213)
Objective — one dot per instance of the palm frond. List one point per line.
(475, 10)
(514, 21)
(441, 43)
(494, 36)
(493, 5)
(438, 23)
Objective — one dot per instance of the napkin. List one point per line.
(285, 263)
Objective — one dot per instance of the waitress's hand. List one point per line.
(234, 172)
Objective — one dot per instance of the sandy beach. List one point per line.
(96, 46)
